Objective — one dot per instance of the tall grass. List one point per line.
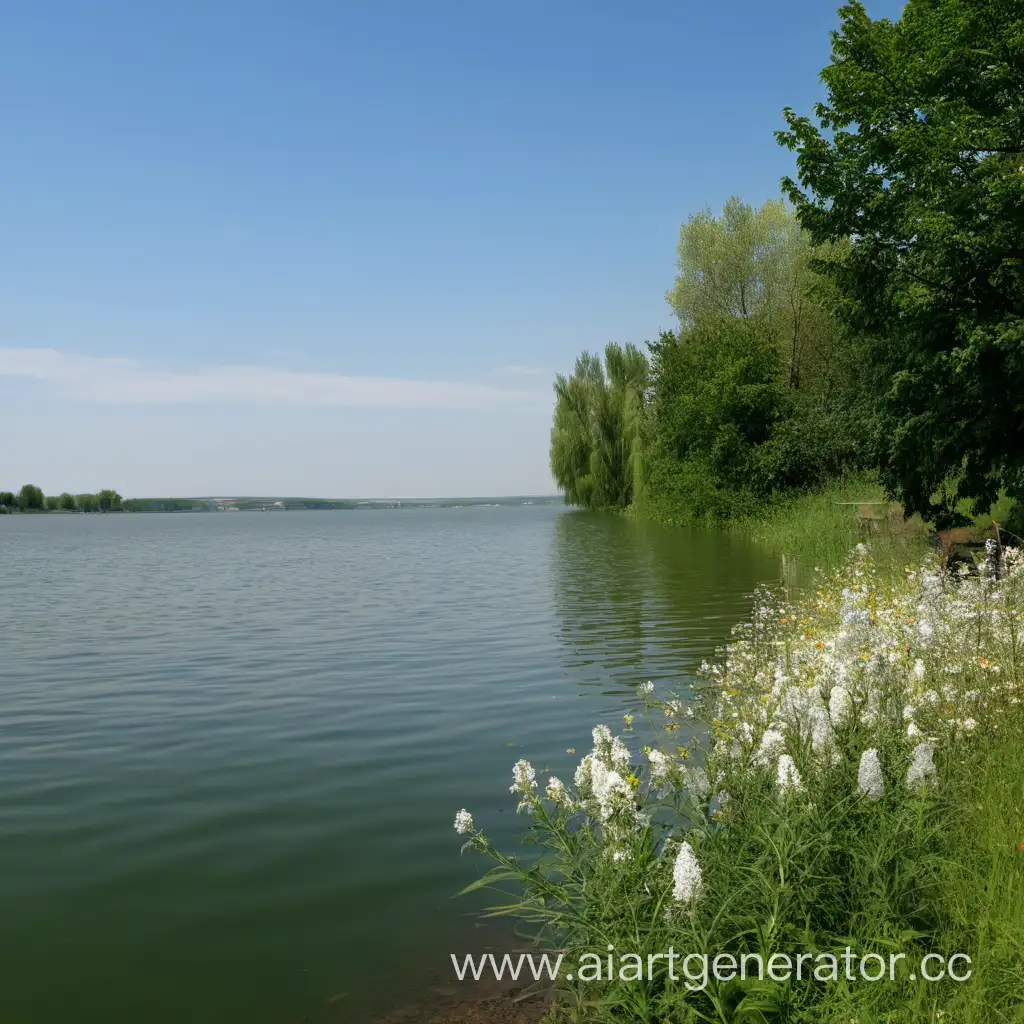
(859, 786)
(820, 527)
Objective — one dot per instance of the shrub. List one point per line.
(853, 780)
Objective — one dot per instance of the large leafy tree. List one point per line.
(917, 160)
(596, 435)
(30, 498)
(753, 264)
(750, 396)
(108, 500)
(717, 394)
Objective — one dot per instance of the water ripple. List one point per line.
(231, 747)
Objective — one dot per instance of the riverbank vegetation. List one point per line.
(870, 329)
(851, 780)
(31, 499)
(842, 789)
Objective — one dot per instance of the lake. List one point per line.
(232, 746)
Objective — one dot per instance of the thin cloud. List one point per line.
(126, 381)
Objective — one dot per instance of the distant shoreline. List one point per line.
(289, 504)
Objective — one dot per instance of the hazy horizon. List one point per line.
(312, 496)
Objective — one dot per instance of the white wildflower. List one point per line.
(870, 710)
(797, 701)
(922, 767)
(611, 791)
(869, 776)
(697, 784)
(855, 616)
(584, 773)
(773, 743)
(661, 764)
(968, 725)
(687, 879)
(645, 689)
(556, 791)
(919, 669)
(787, 777)
(840, 706)
(524, 779)
(464, 823)
(821, 729)
(913, 731)
(619, 756)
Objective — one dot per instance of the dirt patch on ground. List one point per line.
(472, 1003)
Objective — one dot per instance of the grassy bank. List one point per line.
(821, 527)
(852, 782)
(818, 527)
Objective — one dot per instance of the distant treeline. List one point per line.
(31, 499)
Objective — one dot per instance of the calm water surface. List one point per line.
(232, 746)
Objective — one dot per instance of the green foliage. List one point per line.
(108, 500)
(717, 394)
(760, 391)
(715, 849)
(915, 163)
(30, 498)
(818, 527)
(596, 436)
(753, 266)
(159, 504)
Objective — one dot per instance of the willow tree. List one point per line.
(596, 436)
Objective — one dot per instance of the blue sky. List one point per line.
(341, 248)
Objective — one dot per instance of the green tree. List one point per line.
(916, 163)
(67, 502)
(597, 432)
(7, 499)
(108, 500)
(722, 389)
(754, 265)
(87, 502)
(30, 498)
(753, 394)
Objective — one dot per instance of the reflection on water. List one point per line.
(638, 601)
(232, 747)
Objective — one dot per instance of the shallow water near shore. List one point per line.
(232, 746)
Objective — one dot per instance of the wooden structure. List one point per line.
(874, 517)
